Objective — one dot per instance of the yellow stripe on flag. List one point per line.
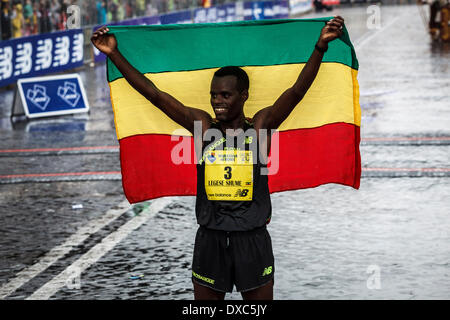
(333, 97)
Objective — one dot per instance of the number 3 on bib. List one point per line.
(227, 175)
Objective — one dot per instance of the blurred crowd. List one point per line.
(21, 18)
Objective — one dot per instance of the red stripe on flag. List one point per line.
(312, 157)
(307, 158)
(148, 171)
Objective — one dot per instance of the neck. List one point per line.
(237, 123)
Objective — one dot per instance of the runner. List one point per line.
(232, 246)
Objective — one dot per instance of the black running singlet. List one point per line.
(232, 194)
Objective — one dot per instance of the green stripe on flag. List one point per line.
(186, 47)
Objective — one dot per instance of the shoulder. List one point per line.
(259, 120)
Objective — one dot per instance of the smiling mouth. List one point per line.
(220, 109)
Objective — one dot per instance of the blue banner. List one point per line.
(281, 10)
(223, 13)
(299, 6)
(40, 54)
(176, 17)
(255, 10)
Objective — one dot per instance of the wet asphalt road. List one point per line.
(327, 240)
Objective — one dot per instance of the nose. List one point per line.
(216, 99)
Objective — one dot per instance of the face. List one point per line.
(226, 100)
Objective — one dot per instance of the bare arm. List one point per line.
(272, 117)
(174, 109)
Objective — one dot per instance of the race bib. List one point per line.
(229, 175)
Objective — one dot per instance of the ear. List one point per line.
(244, 95)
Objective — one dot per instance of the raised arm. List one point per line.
(174, 109)
(272, 117)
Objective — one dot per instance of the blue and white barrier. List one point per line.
(40, 54)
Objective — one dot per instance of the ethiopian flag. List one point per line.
(318, 142)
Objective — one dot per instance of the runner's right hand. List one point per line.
(103, 41)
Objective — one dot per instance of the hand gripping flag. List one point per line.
(318, 143)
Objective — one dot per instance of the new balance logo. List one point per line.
(267, 271)
(241, 193)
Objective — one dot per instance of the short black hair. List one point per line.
(243, 82)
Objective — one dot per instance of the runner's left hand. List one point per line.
(332, 30)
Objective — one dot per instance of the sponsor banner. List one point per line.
(205, 15)
(254, 10)
(259, 10)
(299, 6)
(223, 13)
(230, 12)
(40, 54)
(276, 10)
(180, 17)
(51, 96)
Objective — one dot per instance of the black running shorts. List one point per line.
(241, 258)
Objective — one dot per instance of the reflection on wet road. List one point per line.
(326, 240)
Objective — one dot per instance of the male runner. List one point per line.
(232, 245)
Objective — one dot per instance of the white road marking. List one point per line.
(99, 250)
(59, 251)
